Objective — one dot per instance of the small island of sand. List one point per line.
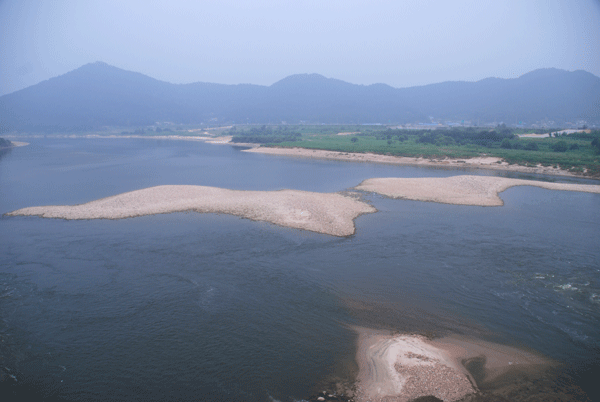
(404, 367)
(331, 214)
(461, 190)
(327, 213)
(6, 144)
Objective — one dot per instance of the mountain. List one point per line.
(541, 94)
(98, 94)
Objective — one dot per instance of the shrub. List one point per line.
(4, 143)
(560, 146)
(532, 146)
(596, 145)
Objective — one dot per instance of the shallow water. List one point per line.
(189, 306)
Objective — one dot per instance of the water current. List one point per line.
(191, 306)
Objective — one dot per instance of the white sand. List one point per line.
(404, 367)
(19, 143)
(220, 140)
(331, 214)
(139, 136)
(462, 190)
(534, 135)
(546, 135)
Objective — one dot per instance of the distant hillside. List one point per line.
(98, 95)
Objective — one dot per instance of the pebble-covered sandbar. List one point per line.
(328, 213)
(461, 190)
(401, 368)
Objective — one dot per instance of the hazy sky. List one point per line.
(400, 43)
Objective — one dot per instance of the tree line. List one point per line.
(264, 135)
(456, 136)
(500, 137)
(4, 143)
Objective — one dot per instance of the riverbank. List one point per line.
(460, 190)
(493, 163)
(326, 213)
(481, 162)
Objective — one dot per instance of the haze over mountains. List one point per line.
(97, 95)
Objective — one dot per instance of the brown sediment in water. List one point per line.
(326, 213)
(401, 368)
(461, 190)
(487, 361)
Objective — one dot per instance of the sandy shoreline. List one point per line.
(401, 368)
(326, 213)
(492, 163)
(460, 190)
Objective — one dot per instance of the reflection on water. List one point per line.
(189, 306)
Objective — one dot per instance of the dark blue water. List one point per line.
(194, 307)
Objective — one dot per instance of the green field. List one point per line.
(577, 152)
(574, 152)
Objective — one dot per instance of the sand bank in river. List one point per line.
(462, 190)
(331, 214)
(19, 143)
(404, 367)
(485, 162)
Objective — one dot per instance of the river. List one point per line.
(189, 306)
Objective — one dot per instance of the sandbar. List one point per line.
(481, 162)
(19, 143)
(403, 367)
(460, 190)
(328, 213)
(14, 144)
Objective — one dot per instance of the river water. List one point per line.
(191, 306)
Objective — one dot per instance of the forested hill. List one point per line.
(4, 143)
(98, 95)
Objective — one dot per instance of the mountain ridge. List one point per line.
(98, 94)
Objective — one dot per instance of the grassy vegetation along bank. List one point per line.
(577, 152)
